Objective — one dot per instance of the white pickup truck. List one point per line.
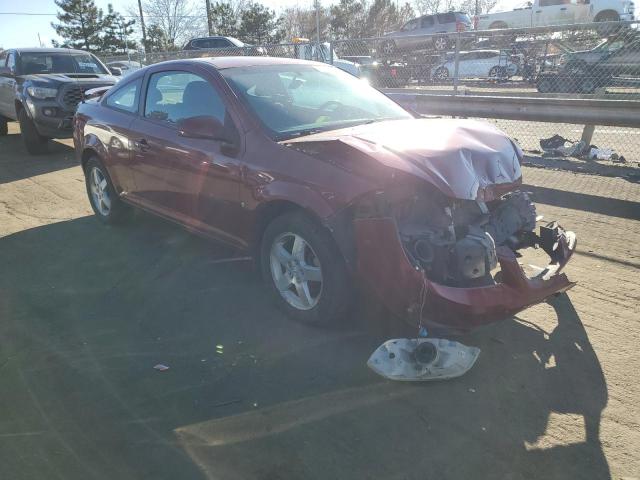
(557, 12)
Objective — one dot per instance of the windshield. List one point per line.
(294, 100)
(59, 62)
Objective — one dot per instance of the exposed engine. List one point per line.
(456, 244)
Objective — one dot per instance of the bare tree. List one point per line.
(178, 19)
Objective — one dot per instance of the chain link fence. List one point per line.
(589, 61)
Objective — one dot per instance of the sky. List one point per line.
(22, 30)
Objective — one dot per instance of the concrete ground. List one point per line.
(86, 311)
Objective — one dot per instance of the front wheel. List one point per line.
(105, 202)
(388, 47)
(440, 43)
(33, 141)
(304, 270)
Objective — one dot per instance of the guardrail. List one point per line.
(587, 112)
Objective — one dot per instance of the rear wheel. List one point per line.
(304, 270)
(33, 141)
(105, 202)
(4, 129)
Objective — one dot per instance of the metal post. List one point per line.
(457, 64)
(587, 134)
(331, 52)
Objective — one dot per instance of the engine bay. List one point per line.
(455, 244)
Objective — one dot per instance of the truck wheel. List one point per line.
(33, 141)
(105, 202)
(4, 128)
(304, 270)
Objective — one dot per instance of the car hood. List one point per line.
(58, 78)
(464, 159)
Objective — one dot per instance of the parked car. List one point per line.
(41, 87)
(477, 64)
(124, 66)
(422, 32)
(224, 45)
(557, 12)
(609, 58)
(328, 182)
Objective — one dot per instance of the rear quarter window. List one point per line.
(126, 97)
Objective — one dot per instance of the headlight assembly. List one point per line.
(42, 92)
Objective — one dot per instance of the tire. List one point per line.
(441, 73)
(545, 85)
(388, 47)
(116, 209)
(33, 141)
(4, 128)
(326, 301)
(440, 43)
(495, 72)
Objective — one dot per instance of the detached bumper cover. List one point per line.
(406, 291)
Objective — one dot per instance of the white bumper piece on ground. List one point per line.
(422, 359)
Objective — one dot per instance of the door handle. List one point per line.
(142, 144)
(563, 8)
(538, 11)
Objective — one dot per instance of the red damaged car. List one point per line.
(329, 183)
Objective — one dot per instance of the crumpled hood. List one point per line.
(465, 159)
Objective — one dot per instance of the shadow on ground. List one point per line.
(21, 165)
(87, 311)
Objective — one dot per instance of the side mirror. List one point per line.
(203, 126)
(5, 71)
(115, 71)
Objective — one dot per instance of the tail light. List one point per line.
(460, 27)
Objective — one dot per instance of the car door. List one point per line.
(7, 87)
(195, 181)
(553, 12)
(409, 34)
(623, 62)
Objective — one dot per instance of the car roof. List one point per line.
(47, 50)
(248, 61)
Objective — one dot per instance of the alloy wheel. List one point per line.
(296, 271)
(99, 191)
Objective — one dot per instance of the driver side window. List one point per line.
(176, 95)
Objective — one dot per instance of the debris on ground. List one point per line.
(596, 153)
(422, 359)
(161, 368)
(558, 145)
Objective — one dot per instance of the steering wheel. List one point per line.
(324, 110)
(325, 106)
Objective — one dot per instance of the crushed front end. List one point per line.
(454, 264)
